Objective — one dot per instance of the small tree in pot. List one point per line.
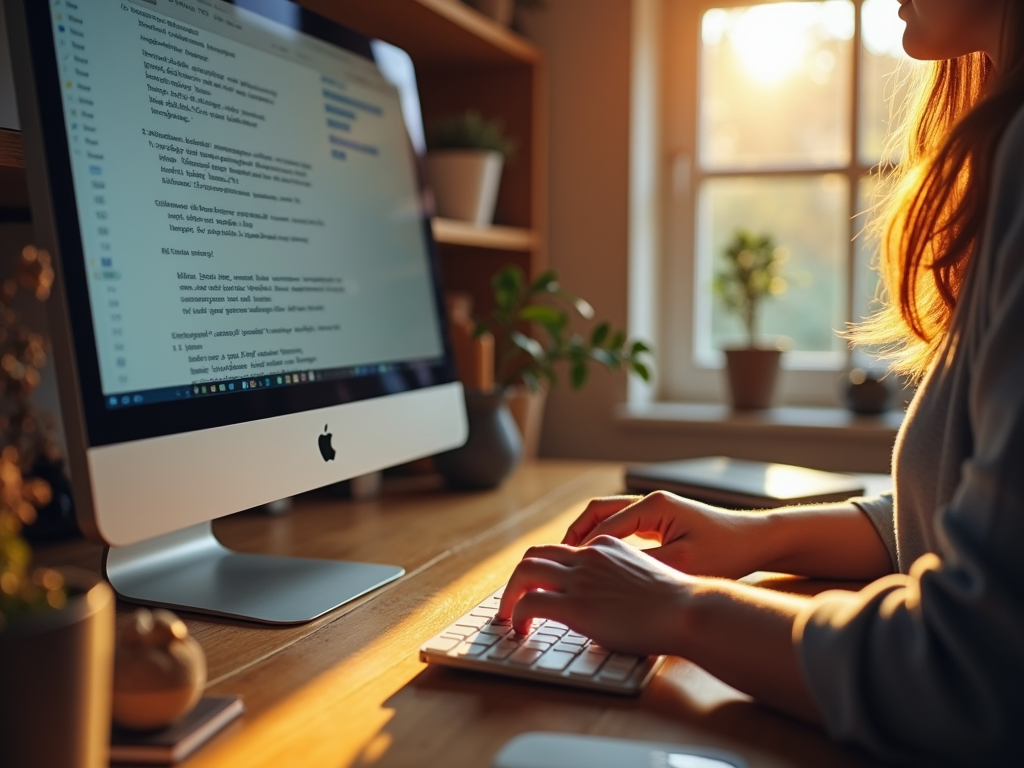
(750, 272)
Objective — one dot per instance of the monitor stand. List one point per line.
(192, 571)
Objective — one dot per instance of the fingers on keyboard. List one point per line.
(549, 650)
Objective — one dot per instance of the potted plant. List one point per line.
(465, 157)
(56, 628)
(749, 273)
(532, 338)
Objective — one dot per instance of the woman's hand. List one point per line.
(694, 537)
(608, 590)
(627, 601)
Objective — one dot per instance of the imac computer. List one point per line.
(248, 302)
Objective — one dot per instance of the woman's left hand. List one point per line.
(614, 593)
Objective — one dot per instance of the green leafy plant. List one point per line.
(470, 130)
(542, 305)
(22, 353)
(749, 272)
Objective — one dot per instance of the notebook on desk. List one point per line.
(742, 484)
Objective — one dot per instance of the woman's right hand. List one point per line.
(693, 537)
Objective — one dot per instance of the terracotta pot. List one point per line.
(528, 410)
(752, 374)
(465, 183)
(56, 681)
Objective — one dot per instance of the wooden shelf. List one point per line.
(434, 32)
(13, 189)
(453, 232)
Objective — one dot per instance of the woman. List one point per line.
(926, 664)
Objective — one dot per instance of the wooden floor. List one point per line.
(348, 689)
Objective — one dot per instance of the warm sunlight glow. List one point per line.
(883, 29)
(774, 41)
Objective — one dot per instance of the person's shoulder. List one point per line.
(1012, 142)
(1006, 204)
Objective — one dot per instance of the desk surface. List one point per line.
(348, 689)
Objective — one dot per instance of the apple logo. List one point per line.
(326, 449)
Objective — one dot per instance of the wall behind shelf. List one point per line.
(586, 44)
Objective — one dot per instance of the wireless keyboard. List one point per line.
(551, 653)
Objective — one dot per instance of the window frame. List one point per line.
(808, 378)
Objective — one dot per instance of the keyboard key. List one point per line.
(555, 625)
(471, 649)
(577, 642)
(474, 622)
(442, 644)
(547, 637)
(525, 656)
(624, 660)
(587, 665)
(555, 661)
(618, 668)
(491, 629)
(541, 644)
(567, 647)
(503, 649)
(481, 639)
(571, 637)
(614, 674)
(484, 612)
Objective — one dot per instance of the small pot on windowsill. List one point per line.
(752, 373)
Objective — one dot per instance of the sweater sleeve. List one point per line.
(928, 667)
(879, 511)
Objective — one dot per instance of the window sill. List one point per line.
(791, 421)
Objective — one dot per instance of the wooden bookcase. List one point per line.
(463, 60)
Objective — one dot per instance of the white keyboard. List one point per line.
(551, 653)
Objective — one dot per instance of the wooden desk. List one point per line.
(348, 689)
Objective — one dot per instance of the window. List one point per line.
(775, 117)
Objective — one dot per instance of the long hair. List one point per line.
(935, 201)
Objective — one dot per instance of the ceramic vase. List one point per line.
(864, 392)
(56, 681)
(493, 449)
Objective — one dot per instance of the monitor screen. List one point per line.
(245, 265)
(248, 215)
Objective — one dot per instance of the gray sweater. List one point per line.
(926, 666)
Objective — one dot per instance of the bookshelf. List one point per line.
(13, 190)
(463, 60)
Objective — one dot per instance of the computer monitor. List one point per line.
(248, 302)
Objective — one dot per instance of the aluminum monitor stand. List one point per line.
(190, 570)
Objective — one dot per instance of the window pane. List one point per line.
(886, 72)
(809, 216)
(775, 85)
(866, 287)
